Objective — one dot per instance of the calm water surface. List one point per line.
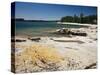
(39, 28)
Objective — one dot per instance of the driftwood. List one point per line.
(78, 41)
(79, 34)
(92, 66)
(18, 40)
(34, 39)
(70, 32)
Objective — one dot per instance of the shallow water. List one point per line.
(39, 28)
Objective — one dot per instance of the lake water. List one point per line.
(39, 28)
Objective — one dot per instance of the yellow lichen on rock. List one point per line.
(37, 56)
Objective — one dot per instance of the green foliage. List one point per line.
(90, 19)
(67, 19)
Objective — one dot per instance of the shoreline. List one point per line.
(88, 25)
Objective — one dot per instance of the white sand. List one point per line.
(89, 25)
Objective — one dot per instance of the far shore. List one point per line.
(88, 25)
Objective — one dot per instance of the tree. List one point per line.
(67, 19)
(81, 17)
(90, 19)
(76, 19)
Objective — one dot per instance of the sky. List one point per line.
(38, 11)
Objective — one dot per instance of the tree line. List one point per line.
(90, 19)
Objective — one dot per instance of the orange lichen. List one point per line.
(37, 55)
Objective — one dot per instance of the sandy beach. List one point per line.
(57, 53)
(88, 25)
